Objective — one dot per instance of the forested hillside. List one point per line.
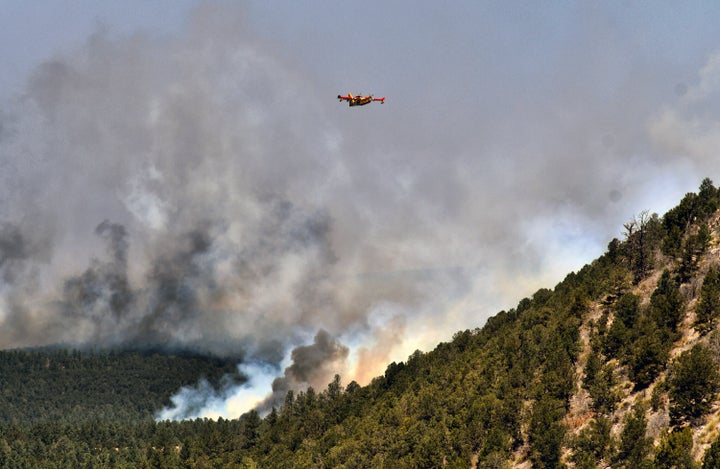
(70, 386)
(616, 366)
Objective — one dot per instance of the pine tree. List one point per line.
(711, 459)
(666, 303)
(546, 432)
(708, 307)
(675, 450)
(634, 446)
(694, 380)
(647, 356)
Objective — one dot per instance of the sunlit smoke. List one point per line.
(229, 401)
(205, 191)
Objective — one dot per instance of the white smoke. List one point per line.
(205, 190)
(229, 401)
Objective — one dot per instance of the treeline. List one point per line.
(492, 397)
(73, 386)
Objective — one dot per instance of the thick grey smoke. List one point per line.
(206, 190)
(13, 251)
(312, 364)
(101, 294)
(185, 198)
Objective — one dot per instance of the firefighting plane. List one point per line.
(359, 100)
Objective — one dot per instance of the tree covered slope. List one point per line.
(70, 386)
(616, 366)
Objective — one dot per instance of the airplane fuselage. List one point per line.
(360, 100)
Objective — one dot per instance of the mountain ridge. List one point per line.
(616, 366)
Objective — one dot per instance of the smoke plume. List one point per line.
(204, 190)
(312, 364)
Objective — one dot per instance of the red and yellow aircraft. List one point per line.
(359, 100)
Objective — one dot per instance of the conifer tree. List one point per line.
(634, 446)
(641, 233)
(695, 246)
(694, 380)
(666, 303)
(675, 450)
(546, 432)
(648, 354)
(711, 459)
(708, 307)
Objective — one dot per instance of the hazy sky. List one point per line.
(180, 172)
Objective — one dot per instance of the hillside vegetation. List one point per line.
(617, 366)
(70, 386)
